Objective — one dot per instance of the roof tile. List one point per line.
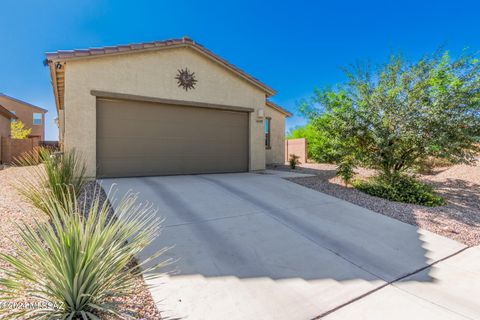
(281, 109)
(69, 54)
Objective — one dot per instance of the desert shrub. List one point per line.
(395, 116)
(33, 157)
(320, 143)
(80, 263)
(61, 174)
(401, 188)
(345, 170)
(293, 161)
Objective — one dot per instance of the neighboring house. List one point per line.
(160, 108)
(5, 119)
(32, 116)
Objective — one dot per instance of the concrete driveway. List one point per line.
(253, 246)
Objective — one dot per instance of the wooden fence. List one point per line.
(13, 148)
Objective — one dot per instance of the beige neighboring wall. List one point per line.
(152, 74)
(24, 112)
(298, 147)
(4, 131)
(4, 126)
(276, 154)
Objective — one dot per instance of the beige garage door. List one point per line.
(142, 139)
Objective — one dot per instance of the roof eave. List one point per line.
(23, 102)
(53, 78)
(6, 113)
(59, 56)
(275, 106)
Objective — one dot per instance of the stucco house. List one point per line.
(166, 107)
(5, 119)
(32, 116)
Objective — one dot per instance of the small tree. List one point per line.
(18, 130)
(399, 115)
(345, 170)
(320, 146)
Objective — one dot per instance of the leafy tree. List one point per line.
(320, 146)
(18, 130)
(396, 116)
(345, 170)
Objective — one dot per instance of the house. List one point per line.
(5, 120)
(32, 116)
(161, 108)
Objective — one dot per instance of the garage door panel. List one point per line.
(165, 128)
(144, 129)
(169, 166)
(169, 114)
(139, 139)
(115, 147)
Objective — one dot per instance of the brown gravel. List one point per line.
(460, 185)
(14, 208)
(141, 302)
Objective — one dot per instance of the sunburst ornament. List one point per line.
(186, 79)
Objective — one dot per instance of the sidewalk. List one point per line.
(452, 294)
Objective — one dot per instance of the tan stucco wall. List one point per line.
(61, 127)
(153, 74)
(276, 154)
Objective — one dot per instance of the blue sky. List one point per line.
(294, 46)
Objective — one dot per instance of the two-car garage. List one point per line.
(164, 108)
(140, 138)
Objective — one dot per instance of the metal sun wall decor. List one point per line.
(186, 79)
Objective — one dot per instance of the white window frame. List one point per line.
(41, 119)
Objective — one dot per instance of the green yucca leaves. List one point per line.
(81, 260)
(59, 174)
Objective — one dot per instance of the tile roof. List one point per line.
(63, 55)
(24, 102)
(280, 109)
(7, 114)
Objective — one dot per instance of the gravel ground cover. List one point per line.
(14, 208)
(460, 185)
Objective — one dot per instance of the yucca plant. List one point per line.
(80, 262)
(293, 161)
(59, 174)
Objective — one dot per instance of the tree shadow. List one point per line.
(459, 219)
(252, 244)
(283, 241)
(462, 196)
(324, 173)
(344, 242)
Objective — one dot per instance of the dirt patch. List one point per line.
(459, 185)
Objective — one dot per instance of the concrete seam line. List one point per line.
(387, 284)
(431, 302)
(215, 219)
(256, 212)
